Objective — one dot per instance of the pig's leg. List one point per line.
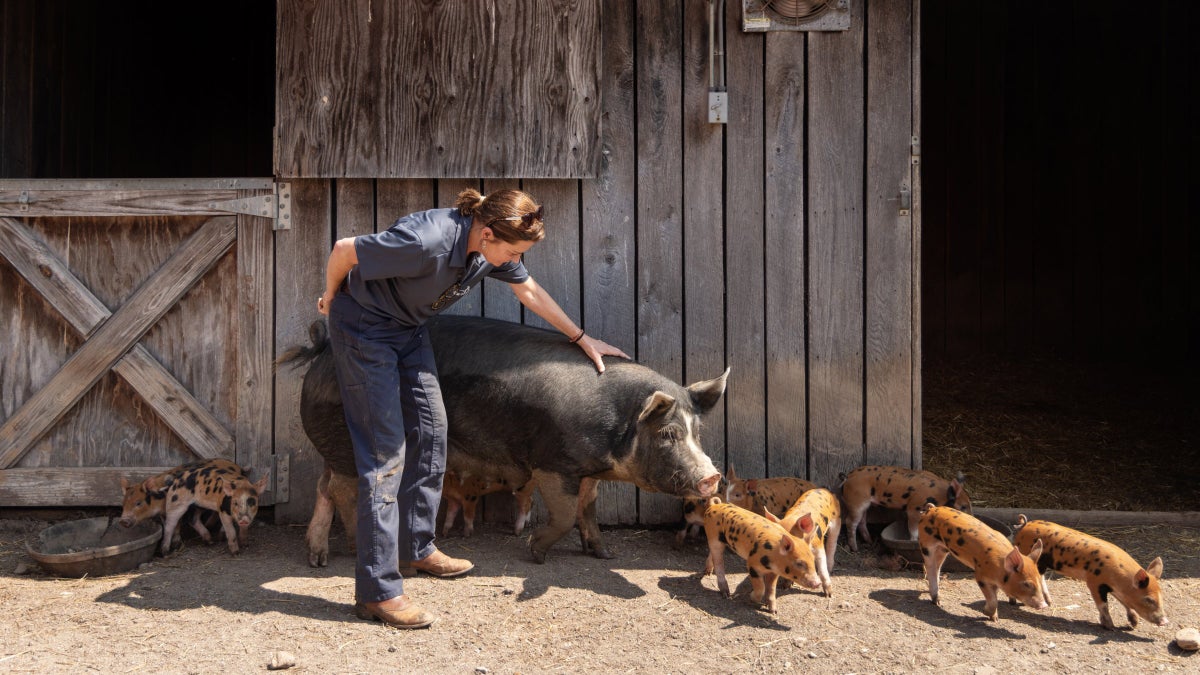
(452, 508)
(767, 591)
(317, 535)
(524, 506)
(171, 521)
(821, 562)
(854, 517)
(1100, 597)
(198, 526)
(343, 491)
(562, 504)
(589, 529)
(914, 519)
(716, 563)
(468, 513)
(991, 603)
(933, 568)
(231, 532)
(831, 537)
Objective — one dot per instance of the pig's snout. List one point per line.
(1038, 603)
(126, 522)
(708, 486)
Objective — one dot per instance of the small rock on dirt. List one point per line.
(281, 661)
(1188, 638)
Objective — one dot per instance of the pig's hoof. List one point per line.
(539, 557)
(318, 558)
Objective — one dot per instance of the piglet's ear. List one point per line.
(1012, 562)
(1155, 567)
(1141, 579)
(806, 524)
(770, 516)
(786, 545)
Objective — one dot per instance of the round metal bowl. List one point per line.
(895, 537)
(93, 547)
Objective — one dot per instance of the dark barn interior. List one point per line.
(1059, 255)
(1059, 263)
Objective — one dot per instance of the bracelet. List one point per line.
(577, 338)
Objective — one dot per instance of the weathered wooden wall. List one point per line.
(1060, 173)
(775, 245)
(454, 88)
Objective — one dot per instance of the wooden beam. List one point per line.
(117, 336)
(31, 203)
(86, 486)
(188, 418)
(1095, 518)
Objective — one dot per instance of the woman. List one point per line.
(380, 290)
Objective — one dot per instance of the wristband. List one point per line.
(577, 338)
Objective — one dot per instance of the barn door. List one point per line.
(138, 333)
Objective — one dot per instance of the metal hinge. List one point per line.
(277, 207)
(283, 480)
(915, 153)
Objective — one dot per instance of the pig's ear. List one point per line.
(124, 484)
(731, 476)
(786, 545)
(770, 516)
(656, 405)
(1012, 562)
(1035, 551)
(706, 394)
(1155, 567)
(226, 487)
(806, 525)
(262, 483)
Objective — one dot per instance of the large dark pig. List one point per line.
(524, 404)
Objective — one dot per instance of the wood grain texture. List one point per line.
(609, 229)
(745, 248)
(889, 237)
(255, 346)
(659, 207)
(784, 259)
(70, 486)
(835, 250)
(300, 254)
(703, 229)
(438, 90)
(114, 203)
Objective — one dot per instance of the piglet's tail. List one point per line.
(469, 202)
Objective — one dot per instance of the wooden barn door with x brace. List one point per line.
(137, 333)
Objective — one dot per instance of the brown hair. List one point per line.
(512, 214)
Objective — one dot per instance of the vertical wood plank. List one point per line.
(609, 232)
(784, 260)
(659, 205)
(355, 207)
(554, 262)
(703, 228)
(253, 433)
(918, 217)
(745, 397)
(397, 197)
(300, 253)
(889, 238)
(835, 222)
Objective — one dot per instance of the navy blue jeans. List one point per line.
(397, 422)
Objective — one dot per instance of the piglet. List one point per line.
(816, 518)
(895, 487)
(462, 493)
(769, 550)
(1104, 567)
(147, 499)
(997, 563)
(765, 494)
(234, 499)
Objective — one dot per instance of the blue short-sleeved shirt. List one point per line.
(403, 270)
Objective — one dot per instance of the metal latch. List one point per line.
(905, 200)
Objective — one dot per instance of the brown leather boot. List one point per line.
(437, 564)
(398, 612)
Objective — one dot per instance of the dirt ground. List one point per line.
(1033, 434)
(202, 611)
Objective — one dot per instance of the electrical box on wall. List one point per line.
(797, 15)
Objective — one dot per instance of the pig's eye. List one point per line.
(1150, 602)
(670, 433)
